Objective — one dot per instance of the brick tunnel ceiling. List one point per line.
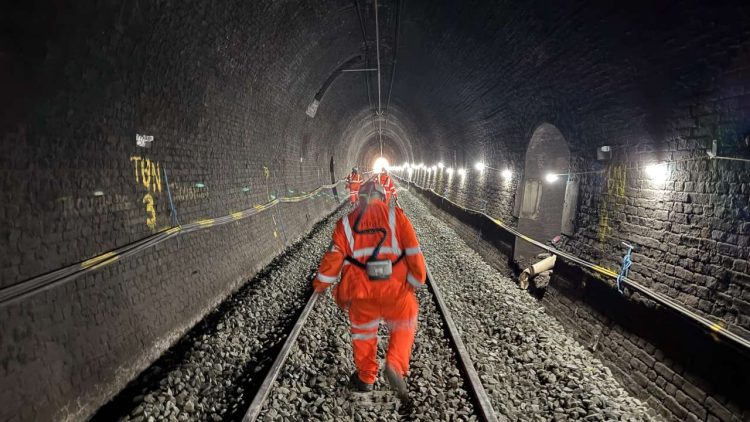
(467, 80)
(224, 89)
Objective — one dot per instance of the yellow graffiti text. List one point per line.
(150, 211)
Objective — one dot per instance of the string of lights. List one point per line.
(656, 170)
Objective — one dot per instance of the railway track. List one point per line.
(480, 401)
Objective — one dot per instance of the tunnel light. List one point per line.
(480, 166)
(657, 172)
(421, 165)
(462, 172)
(551, 177)
(441, 165)
(380, 164)
(507, 174)
(98, 192)
(200, 185)
(434, 168)
(449, 170)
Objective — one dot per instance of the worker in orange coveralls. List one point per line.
(387, 183)
(383, 265)
(353, 182)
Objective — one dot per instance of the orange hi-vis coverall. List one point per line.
(387, 183)
(353, 182)
(371, 301)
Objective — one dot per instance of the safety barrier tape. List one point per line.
(46, 281)
(660, 298)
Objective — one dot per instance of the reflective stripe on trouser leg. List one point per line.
(402, 322)
(365, 348)
(364, 318)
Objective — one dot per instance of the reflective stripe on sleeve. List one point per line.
(326, 278)
(367, 336)
(413, 251)
(348, 231)
(413, 281)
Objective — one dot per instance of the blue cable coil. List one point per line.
(626, 262)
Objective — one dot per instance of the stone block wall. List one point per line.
(680, 370)
(661, 101)
(223, 93)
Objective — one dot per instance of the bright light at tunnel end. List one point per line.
(380, 164)
(551, 177)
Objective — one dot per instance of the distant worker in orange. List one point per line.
(385, 181)
(353, 182)
(383, 265)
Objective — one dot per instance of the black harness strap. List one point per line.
(378, 230)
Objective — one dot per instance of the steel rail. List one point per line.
(265, 388)
(481, 399)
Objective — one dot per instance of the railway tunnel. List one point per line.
(172, 172)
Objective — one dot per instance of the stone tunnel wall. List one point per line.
(654, 93)
(665, 102)
(223, 92)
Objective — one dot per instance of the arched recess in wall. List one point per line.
(543, 207)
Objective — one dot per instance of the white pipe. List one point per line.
(543, 265)
(540, 267)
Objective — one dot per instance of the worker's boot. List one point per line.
(397, 383)
(357, 384)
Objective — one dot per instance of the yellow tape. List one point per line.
(96, 259)
(526, 238)
(107, 262)
(206, 223)
(605, 271)
(238, 215)
(716, 327)
(173, 230)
